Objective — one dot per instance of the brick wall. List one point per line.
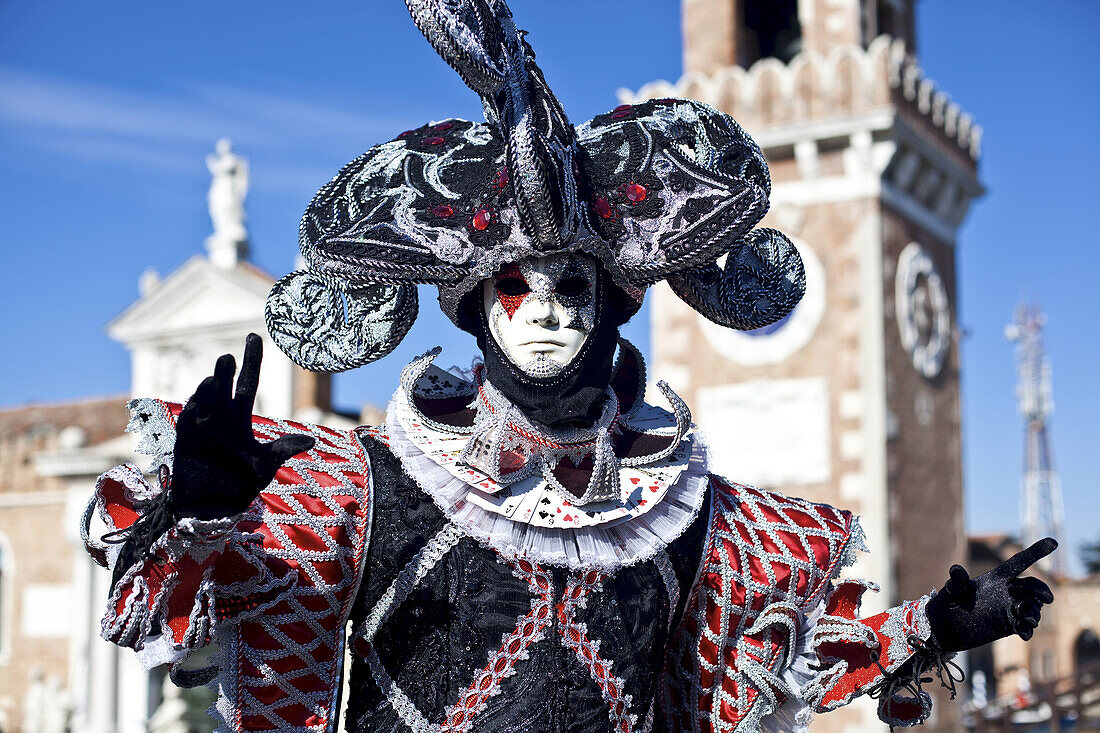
(37, 611)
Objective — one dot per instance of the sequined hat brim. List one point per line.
(654, 191)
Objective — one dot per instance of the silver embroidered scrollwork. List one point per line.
(325, 325)
(763, 279)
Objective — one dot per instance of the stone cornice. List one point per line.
(849, 80)
(902, 139)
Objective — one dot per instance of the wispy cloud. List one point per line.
(133, 154)
(61, 105)
(288, 113)
(162, 130)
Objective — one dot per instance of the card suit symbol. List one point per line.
(635, 480)
(567, 518)
(544, 515)
(565, 503)
(558, 510)
(545, 500)
(654, 488)
(642, 502)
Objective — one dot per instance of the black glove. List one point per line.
(968, 613)
(219, 466)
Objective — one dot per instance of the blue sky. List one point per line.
(108, 109)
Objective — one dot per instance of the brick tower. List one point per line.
(853, 399)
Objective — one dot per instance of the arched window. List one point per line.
(1086, 652)
(772, 30)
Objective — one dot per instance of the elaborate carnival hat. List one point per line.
(655, 191)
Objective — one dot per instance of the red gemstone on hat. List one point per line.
(636, 192)
(603, 208)
(443, 211)
(406, 133)
(443, 127)
(502, 178)
(622, 107)
(620, 115)
(482, 219)
(434, 141)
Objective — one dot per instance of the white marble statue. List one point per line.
(228, 187)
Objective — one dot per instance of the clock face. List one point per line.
(775, 342)
(923, 313)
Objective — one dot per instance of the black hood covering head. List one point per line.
(575, 397)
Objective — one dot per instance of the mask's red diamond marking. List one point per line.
(511, 303)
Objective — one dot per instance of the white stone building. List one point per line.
(51, 594)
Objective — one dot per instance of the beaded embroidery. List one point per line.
(656, 496)
(514, 648)
(530, 628)
(575, 636)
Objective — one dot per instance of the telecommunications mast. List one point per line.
(1042, 513)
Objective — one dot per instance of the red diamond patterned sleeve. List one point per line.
(770, 635)
(855, 656)
(248, 583)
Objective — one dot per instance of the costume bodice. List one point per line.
(483, 643)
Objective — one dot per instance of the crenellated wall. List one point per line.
(815, 86)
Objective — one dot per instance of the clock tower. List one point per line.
(853, 399)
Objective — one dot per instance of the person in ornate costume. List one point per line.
(529, 546)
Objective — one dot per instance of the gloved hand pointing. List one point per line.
(968, 613)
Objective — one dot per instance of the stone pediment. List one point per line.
(197, 296)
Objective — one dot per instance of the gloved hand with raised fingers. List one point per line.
(219, 467)
(969, 612)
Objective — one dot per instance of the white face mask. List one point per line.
(541, 311)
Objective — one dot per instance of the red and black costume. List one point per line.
(513, 553)
(740, 616)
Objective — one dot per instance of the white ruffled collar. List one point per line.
(528, 514)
